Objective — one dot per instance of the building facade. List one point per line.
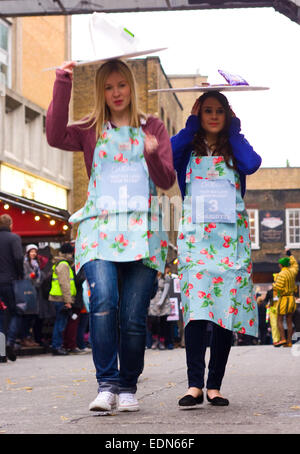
(273, 204)
(186, 99)
(35, 179)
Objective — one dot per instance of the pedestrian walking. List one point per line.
(212, 159)
(62, 294)
(285, 286)
(11, 268)
(126, 153)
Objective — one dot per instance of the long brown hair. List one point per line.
(101, 113)
(222, 146)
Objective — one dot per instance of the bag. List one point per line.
(25, 297)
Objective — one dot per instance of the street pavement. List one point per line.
(48, 394)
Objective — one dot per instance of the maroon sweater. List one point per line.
(79, 138)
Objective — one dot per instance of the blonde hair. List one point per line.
(101, 113)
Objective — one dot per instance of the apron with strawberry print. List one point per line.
(214, 249)
(120, 221)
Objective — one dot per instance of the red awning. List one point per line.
(34, 219)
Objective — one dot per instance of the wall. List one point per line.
(37, 43)
(45, 43)
(275, 178)
(186, 99)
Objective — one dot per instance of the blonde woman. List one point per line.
(115, 245)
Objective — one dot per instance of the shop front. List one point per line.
(38, 207)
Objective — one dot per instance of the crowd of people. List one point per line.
(58, 318)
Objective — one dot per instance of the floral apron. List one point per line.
(215, 254)
(120, 220)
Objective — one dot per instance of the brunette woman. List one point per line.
(212, 159)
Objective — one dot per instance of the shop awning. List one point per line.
(11, 8)
(34, 219)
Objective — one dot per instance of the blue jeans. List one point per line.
(120, 296)
(10, 321)
(60, 324)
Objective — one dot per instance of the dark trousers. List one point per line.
(10, 321)
(70, 332)
(196, 343)
(159, 326)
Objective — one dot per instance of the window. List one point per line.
(293, 227)
(4, 53)
(253, 227)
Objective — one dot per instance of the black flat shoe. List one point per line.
(218, 401)
(189, 401)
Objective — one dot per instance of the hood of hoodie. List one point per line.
(58, 258)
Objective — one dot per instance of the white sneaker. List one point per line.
(105, 401)
(128, 402)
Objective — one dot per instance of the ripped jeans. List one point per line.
(120, 296)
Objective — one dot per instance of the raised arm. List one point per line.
(58, 133)
(294, 267)
(185, 137)
(248, 160)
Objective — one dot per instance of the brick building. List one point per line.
(273, 203)
(187, 99)
(35, 180)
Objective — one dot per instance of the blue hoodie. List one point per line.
(182, 145)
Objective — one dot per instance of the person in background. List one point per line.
(11, 268)
(158, 312)
(262, 323)
(115, 244)
(70, 337)
(62, 294)
(285, 286)
(214, 251)
(32, 272)
(271, 299)
(46, 316)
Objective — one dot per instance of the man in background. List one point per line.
(285, 286)
(11, 269)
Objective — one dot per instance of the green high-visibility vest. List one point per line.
(55, 287)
